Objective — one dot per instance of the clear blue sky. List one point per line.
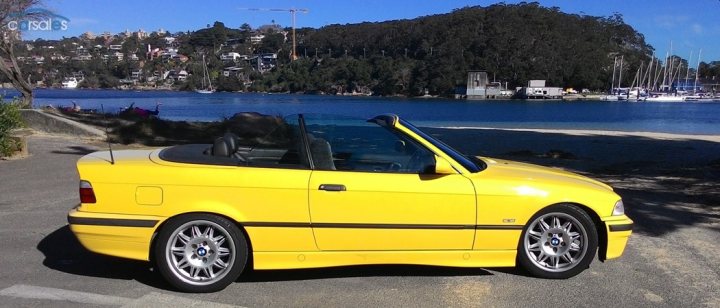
(690, 25)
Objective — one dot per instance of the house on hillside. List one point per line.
(176, 75)
(234, 71)
(233, 56)
(257, 38)
(263, 62)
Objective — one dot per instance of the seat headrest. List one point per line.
(322, 154)
(220, 148)
(232, 141)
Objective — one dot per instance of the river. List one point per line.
(680, 118)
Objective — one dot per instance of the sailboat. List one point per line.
(614, 94)
(206, 84)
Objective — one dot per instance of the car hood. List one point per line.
(511, 170)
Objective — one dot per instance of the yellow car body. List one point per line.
(453, 217)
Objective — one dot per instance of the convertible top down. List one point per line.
(321, 191)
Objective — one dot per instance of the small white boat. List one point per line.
(667, 98)
(701, 98)
(609, 98)
(70, 83)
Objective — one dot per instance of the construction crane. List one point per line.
(292, 13)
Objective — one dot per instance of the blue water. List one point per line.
(685, 118)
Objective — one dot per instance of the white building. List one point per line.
(233, 56)
(536, 89)
(478, 86)
(257, 38)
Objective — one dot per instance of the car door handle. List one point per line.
(332, 187)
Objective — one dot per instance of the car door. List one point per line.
(370, 190)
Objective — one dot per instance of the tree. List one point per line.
(13, 11)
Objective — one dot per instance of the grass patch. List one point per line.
(9, 119)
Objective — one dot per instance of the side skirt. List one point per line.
(454, 258)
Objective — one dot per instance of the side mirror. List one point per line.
(442, 166)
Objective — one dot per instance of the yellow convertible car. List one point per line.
(322, 191)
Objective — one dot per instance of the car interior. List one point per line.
(361, 147)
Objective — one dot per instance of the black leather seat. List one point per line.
(232, 140)
(220, 148)
(322, 154)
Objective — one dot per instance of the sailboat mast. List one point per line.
(612, 84)
(658, 72)
(207, 73)
(204, 72)
(637, 77)
(687, 73)
(653, 70)
(620, 74)
(648, 74)
(676, 74)
(697, 72)
(665, 72)
(670, 71)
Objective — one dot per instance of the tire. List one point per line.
(558, 242)
(200, 252)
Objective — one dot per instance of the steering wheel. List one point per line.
(415, 163)
(394, 166)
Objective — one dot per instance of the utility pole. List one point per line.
(292, 11)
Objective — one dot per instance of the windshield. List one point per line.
(470, 163)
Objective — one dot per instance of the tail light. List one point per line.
(87, 195)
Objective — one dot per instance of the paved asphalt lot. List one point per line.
(673, 261)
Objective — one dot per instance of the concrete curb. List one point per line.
(50, 123)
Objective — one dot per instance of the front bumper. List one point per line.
(119, 235)
(618, 232)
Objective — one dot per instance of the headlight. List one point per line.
(619, 208)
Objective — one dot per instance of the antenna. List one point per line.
(107, 135)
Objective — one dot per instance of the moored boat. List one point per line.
(207, 87)
(70, 83)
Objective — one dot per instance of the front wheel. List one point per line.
(559, 242)
(200, 252)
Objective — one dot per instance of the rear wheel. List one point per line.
(558, 242)
(200, 252)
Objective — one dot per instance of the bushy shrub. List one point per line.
(9, 120)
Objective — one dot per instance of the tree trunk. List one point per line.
(26, 92)
(10, 68)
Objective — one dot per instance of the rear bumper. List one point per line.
(125, 236)
(618, 233)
